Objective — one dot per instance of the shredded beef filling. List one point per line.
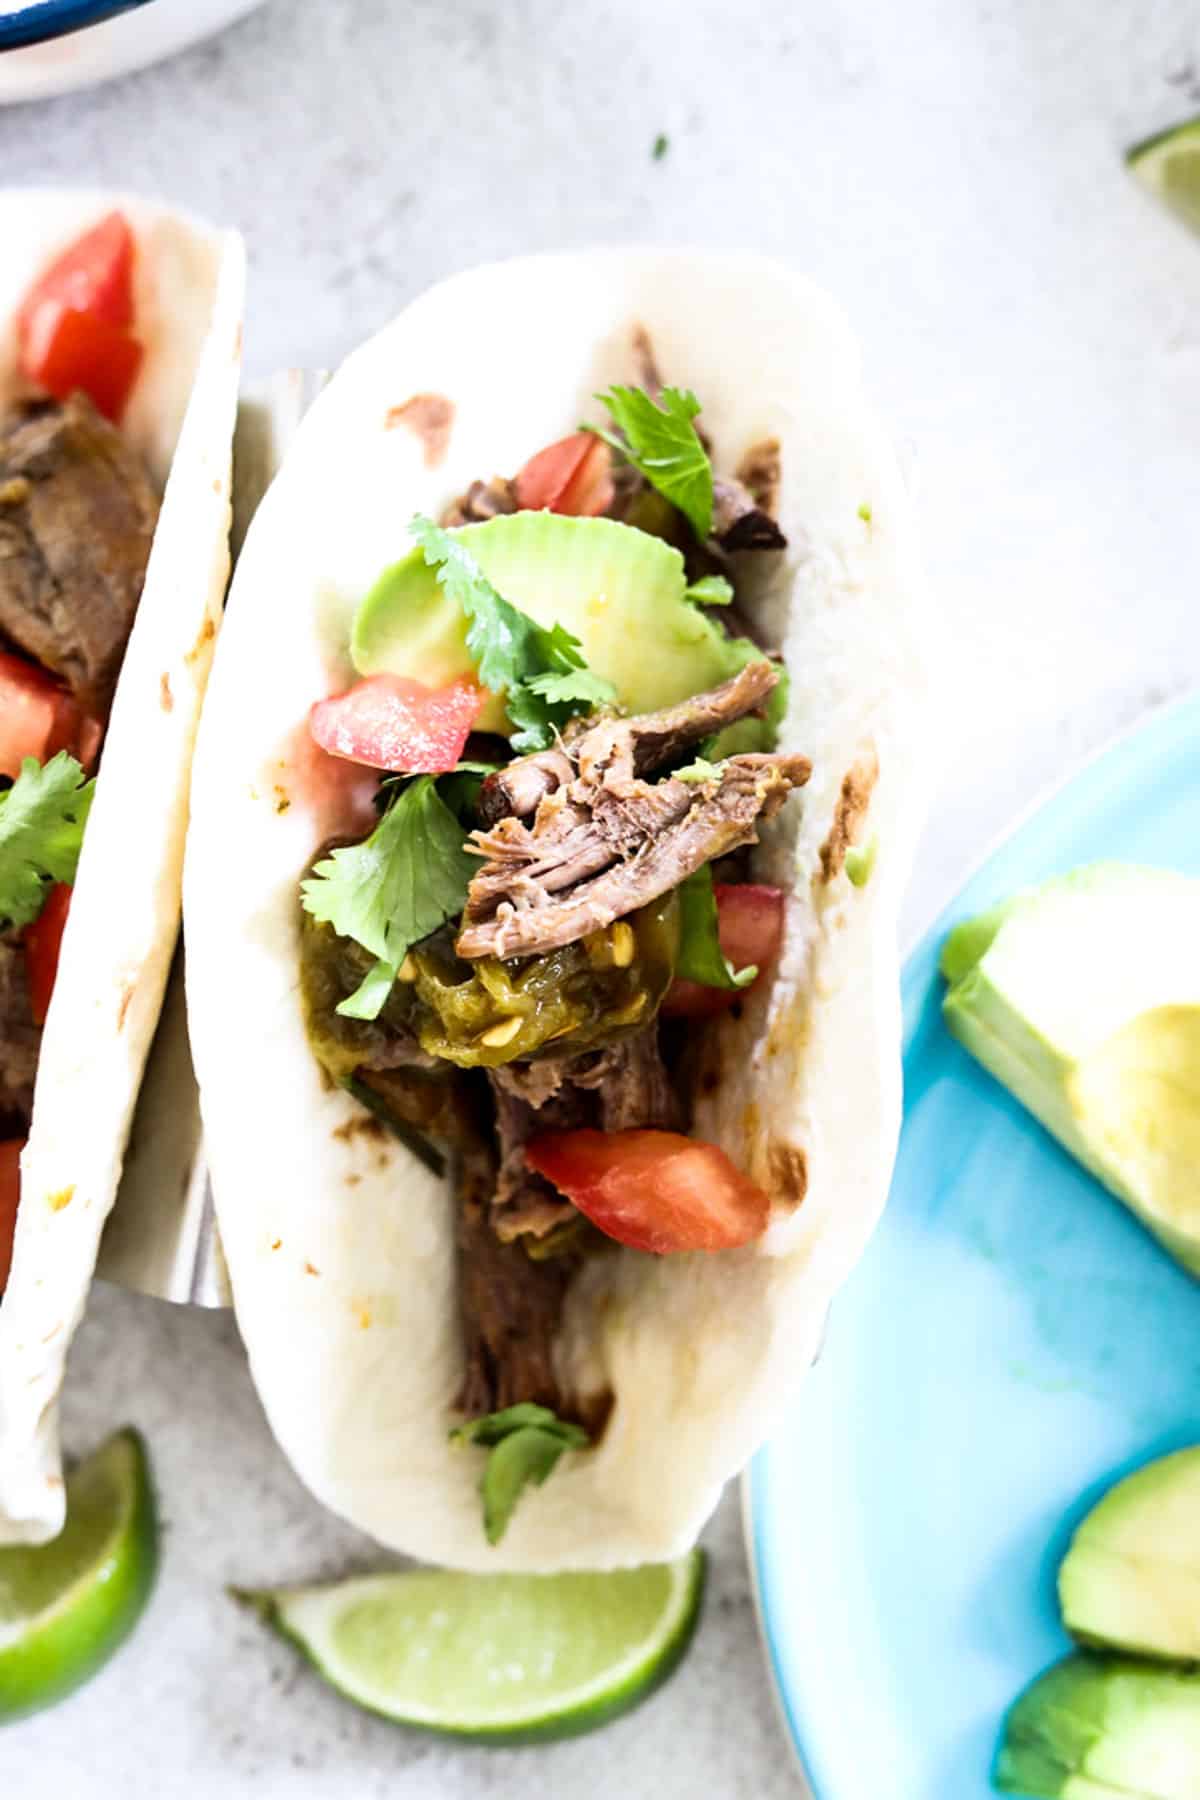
(77, 516)
(607, 841)
(572, 839)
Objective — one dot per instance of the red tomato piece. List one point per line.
(572, 476)
(10, 1194)
(43, 941)
(38, 718)
(653, 1190)
(749, 930)
(389, 722)
(65, 349)
(93, 275)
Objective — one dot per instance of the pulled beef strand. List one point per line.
(20, 1038)
(510, 1306)
(483, 500)
(739, 522)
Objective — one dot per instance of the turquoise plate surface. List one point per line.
(1012, 1342)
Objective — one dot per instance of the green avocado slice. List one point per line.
(1083, 998)
(1092, 1728)
(1131, 1578)
(620, 591)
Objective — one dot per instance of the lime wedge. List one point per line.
(1169, 165)
(500, 1659)
(67, 1605)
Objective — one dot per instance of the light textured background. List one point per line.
(951, 169)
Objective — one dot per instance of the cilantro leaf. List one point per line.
(394, 888)
(542, 674)
(710, 590)
(524, 1442)
(564, 687)
(42, 817)
(701, 957)
(661, 441)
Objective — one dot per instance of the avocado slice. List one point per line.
(1095, 1728)
(1083, 998)
(619, 590)
(1131, 1578)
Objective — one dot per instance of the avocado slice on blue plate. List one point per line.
(1131, 1578)
(1083, 997)
(1104, 1728)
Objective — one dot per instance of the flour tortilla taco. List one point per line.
(548, 834)
(120, 346)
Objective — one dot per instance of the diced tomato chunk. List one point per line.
(39, 718)
(43, 941)
(572, 476)
(93, 275)
(749, 929)
(10, 1194)
(389, 722)
(653, 1190)
(65, 348)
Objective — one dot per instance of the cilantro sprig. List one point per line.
(701, 957)
(395, 888)
(541, 673)
(42, 816)
(524, 1442)
(660, 441)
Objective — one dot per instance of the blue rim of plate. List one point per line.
(1157, 761)
(41, 20)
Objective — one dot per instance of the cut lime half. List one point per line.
(66, 1606)
(1169, 165)
(500, 1659)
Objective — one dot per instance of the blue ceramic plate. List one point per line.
(1012, 1342)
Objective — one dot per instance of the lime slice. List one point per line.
(501, 1659)
(1169, 165)
(67, 1605)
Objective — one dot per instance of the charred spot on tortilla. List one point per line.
(166, 698)
(310, 1270)
(789, 1172)
(282, 802)
(430, 418)
(858, 784)
(128, 990)
(362, 1125)
(208, 632)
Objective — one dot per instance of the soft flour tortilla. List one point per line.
(340, 1245)
(124, 919)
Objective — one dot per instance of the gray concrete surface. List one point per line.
(951, 169)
